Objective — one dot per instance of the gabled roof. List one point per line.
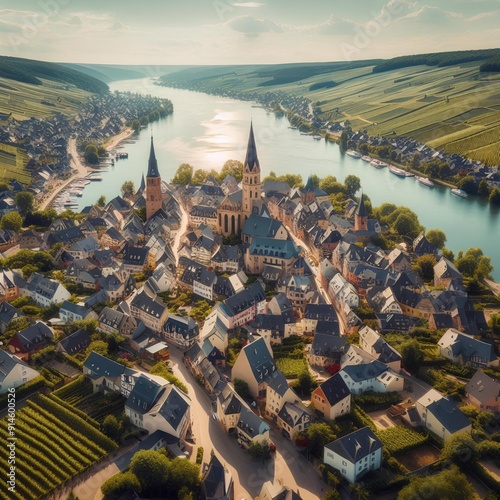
(335, 389)
(320, 312)
(101, 366)
(216, 481)
(364, 371)
(466, 345)
(284, 249)
(35, 336)
(144, 394)
(294, 414)
(258, 226)
(74, 308)
(76, 342)
(326, 344)
(356, 445)
(244, 299)
(260, 360)
(174, 407)
(483, 387)
(250, 424)
(279, 383)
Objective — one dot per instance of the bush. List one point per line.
(24, 390)
(371, 401)
(119, 484)
(199, 455)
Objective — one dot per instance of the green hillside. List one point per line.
(444, 100)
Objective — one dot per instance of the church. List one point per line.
(237, 206)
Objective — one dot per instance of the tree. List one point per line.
(352, 185)
(332, 495)
(91, 154)
(117, 485)
(99, 346)
(101, 201)
(495, 196)
(319, 434)
(151, 468)
(412, 355)
(259, 450)
(293, 180)
(330, 185)
(199, 177)
(474, 264)
(305, 384)
(494, 323)
(449, 484)
(344, 140)
(111, 427)
(405, 225)
(384, 210)
(315, 180)
(468, 184)
(436, 237)
(24, 202)
(12, 221)
(183, 175)
(184, 473)
(128, 189)
(424, 265)
(460, 449)
(241, 387)
(483, 189)
(136, 126)
(232, 167)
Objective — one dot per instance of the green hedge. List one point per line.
(483, 474)
(76, 411)
(400, 439)
(373, 401)
(24, 390)
(361, 418)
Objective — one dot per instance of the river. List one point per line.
(207, 130)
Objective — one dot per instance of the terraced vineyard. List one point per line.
(53, 444)
(13, 162)
(399, 439)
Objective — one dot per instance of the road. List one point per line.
(180, 233)
(288, 467)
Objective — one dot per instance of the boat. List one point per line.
(459, 192)
(367, 159)
(425, 182)
(95, 178)
(317, 137)
(397, 171)
(292, 128)
(378, 164)
(353, 154)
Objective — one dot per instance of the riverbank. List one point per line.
(78, 168)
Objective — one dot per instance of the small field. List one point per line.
(289, 356)
(291, 368)
(424, 455)
(399, 439)
(52, 445)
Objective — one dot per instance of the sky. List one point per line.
(190, 32)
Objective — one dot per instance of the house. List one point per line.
(243, 306)
(464, 349)
(83, 248)
(116, 322)
(317, 312)
(229, 406)
(269, 251)
(104, 373)
(373, 376)
(11, 283)
(422, 246)
(14, 372)
(270, 326)
(30, 340)
(483, 392)
(278, 393)
(327, 346)
(70, 311)
(293, 418)
(182, 331)
(74, 343)
(217, 481)
(332, 398)
(372, 343)
(257, 226)
(151, 311)
(255, 365)
(45, 291)
(7, 314)
(441, 415)
(272, 491)
(251, 429)
(355, 454)
(445, 273)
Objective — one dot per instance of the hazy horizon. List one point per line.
(229, 32)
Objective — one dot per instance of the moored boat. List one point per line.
(367, 158)
(425, 181)
(378, 164)
(397, 171)
(353, 154)
(459, 192)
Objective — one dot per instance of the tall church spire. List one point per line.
(251, 159)
(152, 163)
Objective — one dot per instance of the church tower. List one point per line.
(361, 217)
(251, 177)
(153, 185)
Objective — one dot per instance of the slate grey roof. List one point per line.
(76, 342)
(467, 346)
(101, 366)
(284, 249)
(145, 303)
(294, 415)
(483, 387)
(279, 383)
(335, 389)
(186, 326)
(74, 308)
(250, 424)
(260, 360)
(152, 162)
(144, 395)
(448, 414)
(265, 227)
(213, 486)
(320, 312)
(111, 318)
(326, 344)
(396, 322)
(356, 445)
(251, 159)
(244, 299)
(8, 312)
(33, 337)
(42, 286)
(365, 371)
(7, 363)
(174, 407)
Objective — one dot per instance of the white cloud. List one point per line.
(253, 26)
(250, 5)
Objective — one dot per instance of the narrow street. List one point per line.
(287, 467)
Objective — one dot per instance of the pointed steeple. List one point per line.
(251, 159)
(143, 184)
(152, 163)
(361, 210)
(309, 185)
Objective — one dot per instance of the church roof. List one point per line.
(143, 184)
(152, 163)
(361, 210)
(251, 159)
(309, 185)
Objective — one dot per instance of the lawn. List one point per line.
(290, 367)
(419, 457)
